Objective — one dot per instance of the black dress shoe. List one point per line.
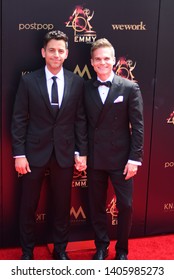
(26, 257)
(101, 254)
(60, 256)
(121, 256)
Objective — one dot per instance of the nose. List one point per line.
(56, 53)
(103, 61)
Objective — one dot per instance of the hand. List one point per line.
(130, 170)
(80, 162)
(22, 165)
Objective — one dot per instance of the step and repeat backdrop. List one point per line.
(140, 32)
(160, 200)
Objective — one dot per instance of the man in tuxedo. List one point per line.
(48, 126)
(114, 109)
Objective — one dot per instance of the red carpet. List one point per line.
(148, 248)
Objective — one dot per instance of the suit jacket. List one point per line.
(36, 131)
(115, 129)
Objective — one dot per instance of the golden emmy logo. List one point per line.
(112, 210)
(124, 68)
(170, 119)
(80, 21)
(79, 178)
(79, 174)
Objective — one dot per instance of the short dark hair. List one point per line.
(57, 35)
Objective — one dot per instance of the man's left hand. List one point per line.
(130, 170)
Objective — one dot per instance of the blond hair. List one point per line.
(102, 43)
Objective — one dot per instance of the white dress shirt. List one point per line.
(103, 90)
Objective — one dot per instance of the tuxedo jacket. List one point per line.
(35, 129)
(115, 129)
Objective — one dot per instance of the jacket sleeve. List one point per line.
(20, 120)
(136, 123)
(81, 126)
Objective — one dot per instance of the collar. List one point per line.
(49, 75)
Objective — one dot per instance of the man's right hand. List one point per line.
(22, 165)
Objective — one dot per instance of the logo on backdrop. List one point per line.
(82, 73)
(113, 211)
(169, 207)
(77, 215)
(40, 217)
(79, 179)
(170, 119)
(35, 26)
(129, 27)
(168, 164)
(80, 22)
(125, 68)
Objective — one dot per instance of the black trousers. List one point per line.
(98, 186)
(60, 186)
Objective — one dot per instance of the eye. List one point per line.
(97, 59)
(51, 50)
(61, 51)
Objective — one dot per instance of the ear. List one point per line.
(43, 52)
(114, 61)
(92, 62)
(66, 54)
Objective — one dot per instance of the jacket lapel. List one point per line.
(96, 97)
(112, 95)
(41, 80)
(67, 86)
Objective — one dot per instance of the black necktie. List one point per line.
(97, 83)
(54, 95)
(54, 92)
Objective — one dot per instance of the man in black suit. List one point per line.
(46, 132)
(115, 132)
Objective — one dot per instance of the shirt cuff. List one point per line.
(135, 162)
(22, 156)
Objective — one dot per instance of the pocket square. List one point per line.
(119, 99)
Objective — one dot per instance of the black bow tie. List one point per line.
(97, 83)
